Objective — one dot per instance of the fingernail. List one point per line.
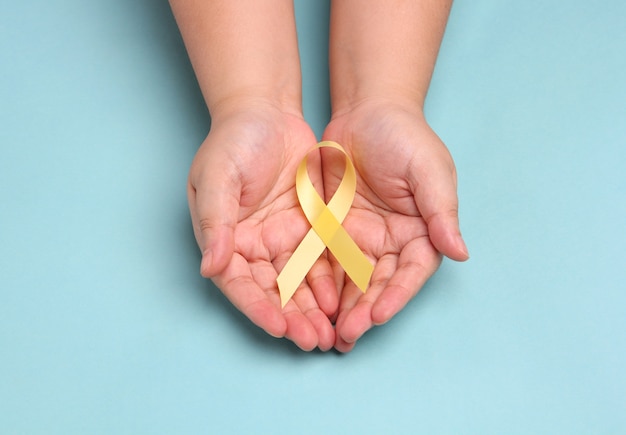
(463, 247)
(205, 263)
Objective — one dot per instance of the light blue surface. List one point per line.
(106, 326)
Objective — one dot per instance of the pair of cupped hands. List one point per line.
(247, 219)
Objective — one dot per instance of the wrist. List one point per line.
(248, 101)
(385, 102)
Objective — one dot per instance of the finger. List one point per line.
(433, 182)
(321, 279)
(339, 279)
(323, 327)
(342, 346)
(300, 330)
(214, 206)
(307, 305)
(417, 262)
(357, 307)
(261, 307)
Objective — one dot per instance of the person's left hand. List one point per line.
(404, 215)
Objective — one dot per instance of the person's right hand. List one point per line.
(247, 220)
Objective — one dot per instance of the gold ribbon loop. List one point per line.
(326, 231)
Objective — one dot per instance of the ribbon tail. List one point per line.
(351, 258)
(298, 265)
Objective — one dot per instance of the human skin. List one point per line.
(245, 213)
(405, 212)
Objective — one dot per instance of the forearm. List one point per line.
(243, 50)
(384, 49)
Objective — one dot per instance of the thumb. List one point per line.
(436, 199)
(214, 207)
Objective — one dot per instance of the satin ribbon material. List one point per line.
(326, 231)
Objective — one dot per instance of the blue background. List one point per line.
(107, 327)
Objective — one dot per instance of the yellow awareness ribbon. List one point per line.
(326, 231)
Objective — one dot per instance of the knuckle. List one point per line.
(206, 224)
